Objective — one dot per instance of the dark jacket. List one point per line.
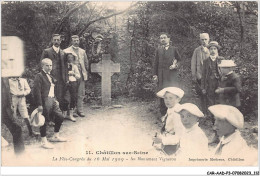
(232, 89)
(58, 64)
(163, 60)
(41, 88)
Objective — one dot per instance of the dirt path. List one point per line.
(104, 130)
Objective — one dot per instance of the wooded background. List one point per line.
(135, 31)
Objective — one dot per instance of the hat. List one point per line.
(174, 90)
(227, 63)
(75, 36)
(36, 119)
(191, 108)
(214, 43)
(229, 113)
(204, 35)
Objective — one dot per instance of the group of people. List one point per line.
(218, 87)
(58, 93)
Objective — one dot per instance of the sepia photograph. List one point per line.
(142, 83)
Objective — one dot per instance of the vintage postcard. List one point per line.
(144, 83)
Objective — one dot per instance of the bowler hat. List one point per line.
(214, 43)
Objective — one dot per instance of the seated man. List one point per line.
(228, 120)
(168, 140)
(193, 142)
(47, 104)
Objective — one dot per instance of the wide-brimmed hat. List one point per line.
(227, 63)
(36, 119)
(174, 90)
(191, 108)
(214, 43)
(229, 113)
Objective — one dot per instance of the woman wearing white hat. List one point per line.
(168, 140)
(228, 120)
(193, 142)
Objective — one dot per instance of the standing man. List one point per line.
(8, 118)
(199, 55)
(57, 57)
(165, 71)
(44, 97)
(82, 63)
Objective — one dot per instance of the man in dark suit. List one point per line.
(230, 84)
(57, 57)
(44, 96)
(165, 71)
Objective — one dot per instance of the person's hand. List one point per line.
(219, 90)
(71, 73)
(203, 91)
(157, 140)
(155, 78)
(40, 109)
(173, 66)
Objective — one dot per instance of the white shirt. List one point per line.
(19, 86)
(213, 58)
(166, 47)
(234, 145)
(56, 49)
(51, 91)
(174, 127)
(193, 142)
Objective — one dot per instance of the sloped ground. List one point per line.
(125, 129)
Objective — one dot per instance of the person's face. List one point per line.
(56, 41)
(75, 42)
(47, 66)
(70, 59)
(204, 41)
(164, 39)
(188, 119)
(225, 70)
(170, 100)
(213, 51)
(223, 127)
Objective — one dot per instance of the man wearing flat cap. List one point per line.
(57, 57)
(199, 55)
(228, 120)
(82, 63)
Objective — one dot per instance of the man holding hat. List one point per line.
(210, 73)
(193, 142)
(82, 63)
(172, 127)
(228, 120)
(230, 84)
(199, 55)
(166, 65)
(45, 99)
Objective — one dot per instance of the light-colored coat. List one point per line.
(81, 59)
(193, 142)
(199, 55)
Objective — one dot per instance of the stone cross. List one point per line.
(105, 68)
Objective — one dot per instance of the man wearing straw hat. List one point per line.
(230, 84)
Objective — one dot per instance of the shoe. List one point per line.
(57, 139)
(34, 134)
(75, 113)
(47, 145)
(81, 114)
(70, 118)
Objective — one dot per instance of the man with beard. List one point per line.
(200, 54)
(167, 59)
(82, 62)
(58, 72)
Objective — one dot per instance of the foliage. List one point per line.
(236, 32)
